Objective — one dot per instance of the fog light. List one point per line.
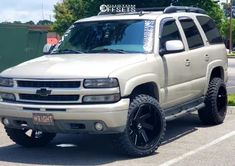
(99, 126)
(7, 96)
(5, 121)
(102, 98)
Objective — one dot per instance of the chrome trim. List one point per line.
(81, 91)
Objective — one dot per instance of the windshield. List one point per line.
(125, 36)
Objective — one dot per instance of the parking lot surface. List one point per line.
(187, 142)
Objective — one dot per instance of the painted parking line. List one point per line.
(218, 140)
(230, 87)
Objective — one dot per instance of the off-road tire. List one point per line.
(123, 141)
(21, 138)
(216, 103)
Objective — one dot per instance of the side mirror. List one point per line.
(47, 49)
(173, 46)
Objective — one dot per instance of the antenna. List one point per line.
(173, 2)
(42, 10)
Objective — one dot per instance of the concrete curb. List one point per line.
(231, 57)
(231, 107)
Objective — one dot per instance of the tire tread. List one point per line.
(209, 115)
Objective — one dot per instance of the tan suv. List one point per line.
(123, 74)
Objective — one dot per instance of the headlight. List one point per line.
(101, 83)
(101, 98)
(7, 82)
(7, 96)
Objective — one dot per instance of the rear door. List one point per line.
(198, 56)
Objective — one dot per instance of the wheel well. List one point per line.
(149, 88)
(217, 72)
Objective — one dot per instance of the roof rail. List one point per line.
(174, 9)
(151, 9)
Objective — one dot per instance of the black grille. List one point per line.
(34, 97)
(49, 84)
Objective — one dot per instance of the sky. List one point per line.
(26, 10)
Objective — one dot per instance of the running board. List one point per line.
(184, 112)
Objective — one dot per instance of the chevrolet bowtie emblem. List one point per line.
(43, 92)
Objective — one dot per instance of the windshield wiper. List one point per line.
(105, 50)
(68, 51)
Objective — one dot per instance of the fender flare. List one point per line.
(210, 67)
(132, 83)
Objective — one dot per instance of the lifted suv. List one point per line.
(121, 74)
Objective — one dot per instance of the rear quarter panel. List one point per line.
(218, 58)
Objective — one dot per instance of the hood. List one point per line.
(73, 66)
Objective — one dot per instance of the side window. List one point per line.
(209, 27)
(169, 31)
(192, 33)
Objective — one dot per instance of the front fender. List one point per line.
(132, 83)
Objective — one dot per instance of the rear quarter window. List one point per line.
(210, 29)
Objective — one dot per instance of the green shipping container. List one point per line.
(19, 43)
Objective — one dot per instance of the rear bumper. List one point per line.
(68, 118)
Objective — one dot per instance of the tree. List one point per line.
(44, 22)
(71, 10)
(30, 23)
(225, 30)
(17, 22)
(211, 7)
(68, 12)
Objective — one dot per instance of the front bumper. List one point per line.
(112, 116)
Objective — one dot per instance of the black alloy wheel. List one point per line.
(145, 128)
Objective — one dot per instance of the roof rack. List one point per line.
(174, 9)
(151, 9)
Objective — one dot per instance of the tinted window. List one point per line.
(192, 34)
(210, 30)
(170, 31)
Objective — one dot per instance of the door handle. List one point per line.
(207, 58)
(187, 62)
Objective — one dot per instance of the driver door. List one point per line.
(176, 66)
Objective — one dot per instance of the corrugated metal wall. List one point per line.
(18, 44)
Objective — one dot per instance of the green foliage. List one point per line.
(30, 23)
(68, 12)
(17, 22)
(225, 29)
(71, 10)
(44, 22)
(231, 100)
(231, 55)
(212, 8)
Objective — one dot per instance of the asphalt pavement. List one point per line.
(187, 142)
